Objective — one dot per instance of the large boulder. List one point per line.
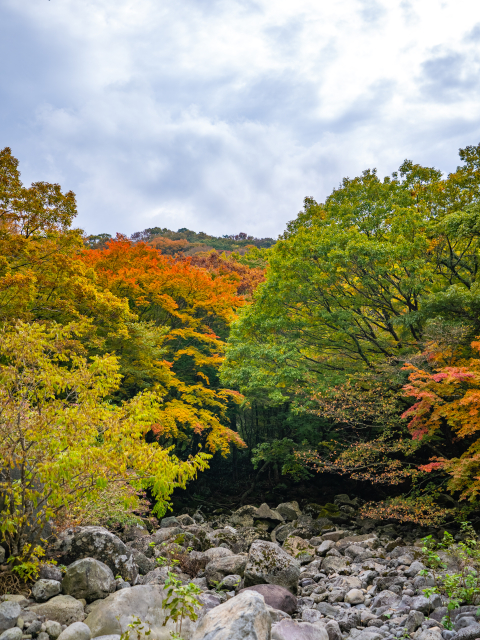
(275, 596)
(300, 549)
(269, 564)
(244, 617)
(62, 609)
(118, 610)
(294, 630)
(9, 612)
(217, 569)
(289, 510)
(98, 543)
(89, 579)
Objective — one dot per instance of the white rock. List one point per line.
(76, 631)
(12, 634)
(294, 630)
(244, 617)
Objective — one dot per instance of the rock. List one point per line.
(12, 634)
(426, 605)
(275, 596)
(164, 535)
(333, 630)
(217, 569)
(9, 613)
(461, 623)
(50, 572)
(469, 633)
(143, 563)
(300, 549)
(414, 620)
(385, 599)
(331, 564)
(327, 609)
(369, 635)
(43, 636)
(53, 628)
(325, 546)
(276, 615)
(170, 521)
(289, 510)
(355, 550)
(118, 610)
(33, 628)
(244, 617)
(217, 552)
(265, 513)
(16, 597)
(294, 630)
(98, 543)
(243, 517)
(63, 609)
(269, 564)
(355, 596)
(435, 633)
(334, 535)
(414, 568)
(89, 579)
(311, 615)
(282, 531)
(112, 636)
(76, 631)
(229, 582)
(2, 555)
(43, 589)
(185, 520)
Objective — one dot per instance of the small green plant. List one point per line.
(447, 623)
(462, 586)
(181, 602)
(27, 565)
(140, 628)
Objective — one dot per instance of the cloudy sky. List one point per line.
(222, 115)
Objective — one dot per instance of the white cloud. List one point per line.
(222, 115)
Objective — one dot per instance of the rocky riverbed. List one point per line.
(265, 574)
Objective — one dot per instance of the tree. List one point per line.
(61, 442)
(173, 345)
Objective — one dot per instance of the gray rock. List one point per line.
(33, 628)
(170, 521)
(325, 546)
(98, 543)
(289, 510)
(332, 564)
(434, 633)
(118, 610)
(414, 620)
(464, 621)
(50, 572)
(112, 636)
(217, 552)
(469, 633)
(216, 570)
(426, 605)
(369, 635)
(294, 630)
(230, 582)
(243, 517)
(43, 636)
(12, 634)
(185, 520)
(327, 609)
(2, 555)
(385, 599)
(143, 563)
(9, 613)
(333, 629)
(76, 631)
(282, 532)
(43, 589)
(311, 615)
(414, 568)
(63, 609)
(276, 597)
(269, 564)
(89, 579)
(244, 617)
(53, 628)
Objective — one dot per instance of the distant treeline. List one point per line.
(186, 242)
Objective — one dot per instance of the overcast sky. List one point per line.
(222, 115)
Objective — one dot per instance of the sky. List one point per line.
(222, 115)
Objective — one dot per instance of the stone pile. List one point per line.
(265, 574)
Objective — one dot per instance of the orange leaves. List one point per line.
(246, 278)
(449, 397)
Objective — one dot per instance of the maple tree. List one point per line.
(245, 277)
(173, 344)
